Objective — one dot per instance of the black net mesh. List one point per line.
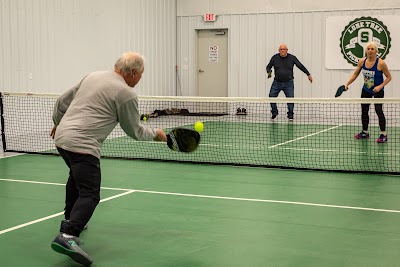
(236, 131)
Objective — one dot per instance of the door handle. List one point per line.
(200, 70)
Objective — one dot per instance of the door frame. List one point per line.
(196, 48)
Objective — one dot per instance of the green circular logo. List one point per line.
(358, 33)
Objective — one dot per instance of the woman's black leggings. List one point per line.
(378, 110)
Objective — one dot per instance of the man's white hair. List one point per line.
(129, 61)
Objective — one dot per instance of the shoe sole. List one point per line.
(72, 254)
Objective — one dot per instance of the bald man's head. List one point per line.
(283, 50)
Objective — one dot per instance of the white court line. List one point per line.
(56, 214)
(290, 141)
(270, 201)
(58, 184)
(226, 198)
(30, 182)
(30, 223)
(262, 147)
(284, 143)
(335, 150)
(2, 156)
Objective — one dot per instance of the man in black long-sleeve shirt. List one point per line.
(283, 63)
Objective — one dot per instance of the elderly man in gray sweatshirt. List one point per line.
(83, 117)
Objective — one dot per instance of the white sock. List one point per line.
(384, 133)
(365, 131)
(67, 236)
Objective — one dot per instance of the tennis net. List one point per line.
(237, 131)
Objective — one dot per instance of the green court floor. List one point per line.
(309, 146)
(175, 214)
(299, 144)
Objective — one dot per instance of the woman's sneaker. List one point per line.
(362, 135)
(382, 139)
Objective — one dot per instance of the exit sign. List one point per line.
(210, 17)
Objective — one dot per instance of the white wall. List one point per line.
(226, 7)
(254, 38)
(60, 41)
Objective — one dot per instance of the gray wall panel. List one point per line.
(226, 7)
(60, 41)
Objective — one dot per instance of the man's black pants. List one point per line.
(82, 190)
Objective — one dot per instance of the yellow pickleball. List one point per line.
(198, 126)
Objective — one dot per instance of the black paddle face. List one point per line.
(339, 91)
(183, 140)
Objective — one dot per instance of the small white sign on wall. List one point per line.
(213, 53)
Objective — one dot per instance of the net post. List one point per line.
(3, 136)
